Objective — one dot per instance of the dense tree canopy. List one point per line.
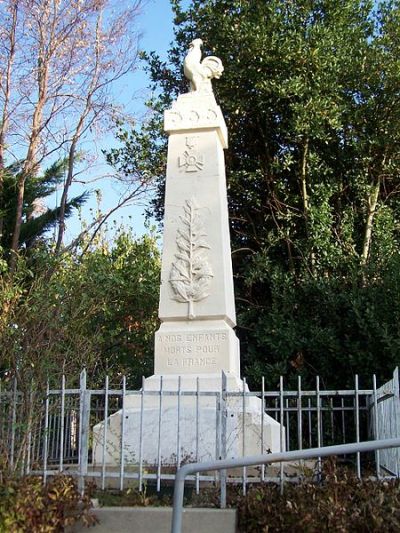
(310, 93)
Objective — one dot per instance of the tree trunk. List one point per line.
(5, 119)
(64, 197)
(30, 164)
(372, 204)
(306, 201)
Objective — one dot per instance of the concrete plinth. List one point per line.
(189, 423)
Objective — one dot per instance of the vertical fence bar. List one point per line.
(318, 422)
(30, 422)
(46, 434)
(332, 420)
(368, 418)
(262, 424)
(83, 431)
(105, 428)
(51, 433)
(159, 437)
(376, 426)
(122, 465)
(178, 437)
(13, 423)
(309, 417)
(396, 387)
(62, 414)
(141, 436)
(244, 434)
(56, 434)
(68, 452)
(343, 421)
(218, 427)
(224, 415)
(35, 453)
(357, 421)
(299, 416)
(197, 432)
(287, 428)
(2, 408)
(281, 428)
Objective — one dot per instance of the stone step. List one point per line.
(158, 520)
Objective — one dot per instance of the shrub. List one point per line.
(339, 504)
(27, 504)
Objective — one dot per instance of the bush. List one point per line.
(27, 504)
(339, 504)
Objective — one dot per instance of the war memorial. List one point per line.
(196, 349)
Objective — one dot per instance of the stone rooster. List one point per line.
(200, 73)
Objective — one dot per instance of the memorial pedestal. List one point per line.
(196, 339)
(189, 420)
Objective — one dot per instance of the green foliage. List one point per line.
(36, 222)
(27, 504)
(340, 503)
(95, 311)
(327, 327)
(310, 96)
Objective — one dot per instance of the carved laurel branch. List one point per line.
(191, 273)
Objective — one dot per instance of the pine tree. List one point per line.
(38, 219)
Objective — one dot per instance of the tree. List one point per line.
(97, 311)
(58, 60)
(310, 93)
(37, 218)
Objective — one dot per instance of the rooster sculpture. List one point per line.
(200, 73)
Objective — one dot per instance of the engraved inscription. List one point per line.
(191, 362)
(192, 349)
(191, 273)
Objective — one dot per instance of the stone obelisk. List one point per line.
(197, 307)
(196, 344)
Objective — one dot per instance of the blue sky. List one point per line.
(156, 26)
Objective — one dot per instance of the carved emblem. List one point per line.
(191, 273)
(191, 162)
(190, 159)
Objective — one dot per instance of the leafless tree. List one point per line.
(58, 61)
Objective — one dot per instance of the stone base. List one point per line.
(200, 424)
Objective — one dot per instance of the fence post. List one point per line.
(84, 411)
(224, 415)
(376, 426)
(13, 423)
(396, 400)
(46, 433)
(282, 441)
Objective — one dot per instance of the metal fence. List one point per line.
(387, 422)
(53, 431)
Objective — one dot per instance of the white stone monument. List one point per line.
(196, 341)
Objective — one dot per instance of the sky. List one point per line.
(155, 24)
